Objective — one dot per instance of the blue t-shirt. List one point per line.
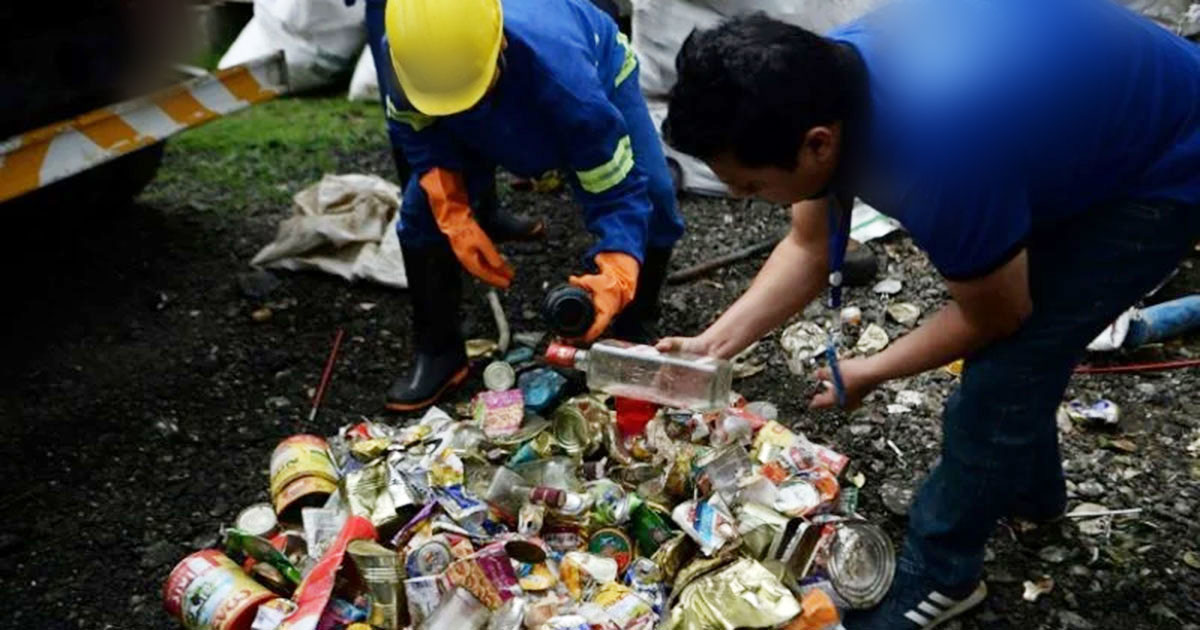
(991, 119)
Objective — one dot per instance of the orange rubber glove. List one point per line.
(612, 289)
(448, 200)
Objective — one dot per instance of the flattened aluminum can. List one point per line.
(208, 591)
(499, 376)
(861, 563)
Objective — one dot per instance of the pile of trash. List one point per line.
(547, 503)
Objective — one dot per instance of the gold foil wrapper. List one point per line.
(373, 494)
(367, 450)
(741, 595)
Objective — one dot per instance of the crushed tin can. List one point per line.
(905, 313)
(1102, 412)
(861, 563)
(873, 339)
(744, 594)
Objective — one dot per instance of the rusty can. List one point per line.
(208, 591)
(302, 475)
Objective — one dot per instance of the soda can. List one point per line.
(302, 475)
(258, 520)
(861, 563)
(208, 591)
(499, 376)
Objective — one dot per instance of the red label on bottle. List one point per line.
(561, 354)
(552, 497)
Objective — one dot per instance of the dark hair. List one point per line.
(752, 87)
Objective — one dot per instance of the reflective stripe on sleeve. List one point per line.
(630, 62)
(611, 173)
(414, 119)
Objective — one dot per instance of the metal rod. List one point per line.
(695, 271)
(326, 375)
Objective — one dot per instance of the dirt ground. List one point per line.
(140, 402)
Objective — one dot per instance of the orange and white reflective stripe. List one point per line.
(35, 159)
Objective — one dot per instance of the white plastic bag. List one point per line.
(319, 38)
(364, 84)
(1181, 17)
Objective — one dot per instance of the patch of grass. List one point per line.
(258, 158)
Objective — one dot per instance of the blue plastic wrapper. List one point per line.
(519, 354)
(541, 388)
(341, 613)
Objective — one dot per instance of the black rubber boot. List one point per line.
(639, 321)
(501, 225)
(440, 358)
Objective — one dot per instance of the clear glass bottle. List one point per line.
(620, 368)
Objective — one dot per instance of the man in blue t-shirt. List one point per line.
(1046, 156)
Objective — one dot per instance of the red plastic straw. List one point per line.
(1138, 367)
(326, 375)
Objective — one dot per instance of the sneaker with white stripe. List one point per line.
(910, 607)
(937, 609)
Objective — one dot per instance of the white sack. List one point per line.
(344, 225)
(364, 84)
(319, 38)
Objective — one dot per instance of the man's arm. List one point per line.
(983, 310)
(794, 274)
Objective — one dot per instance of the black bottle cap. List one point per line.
(568, 310)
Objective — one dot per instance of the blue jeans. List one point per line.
(1000, 442)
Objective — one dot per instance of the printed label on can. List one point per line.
(429, 559)
(300, 456)
(206, 590)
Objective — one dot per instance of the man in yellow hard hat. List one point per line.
(530, 86)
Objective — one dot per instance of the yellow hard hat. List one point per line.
(444, 51)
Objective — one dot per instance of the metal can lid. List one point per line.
(861, 563)
(429, 559)
(611, 542)
(499, 376)
(258, 520)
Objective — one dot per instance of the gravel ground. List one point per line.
(140, 402)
